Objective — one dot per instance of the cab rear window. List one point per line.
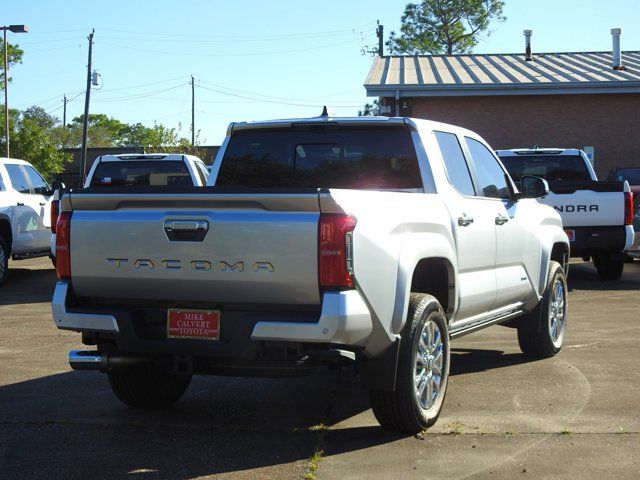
(357, 158)
(141, 172)
(550, 167)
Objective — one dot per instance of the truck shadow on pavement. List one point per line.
(583, 276)
(24, 285)
(69, 425)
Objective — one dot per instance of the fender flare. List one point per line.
(420, 247)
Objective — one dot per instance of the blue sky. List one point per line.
(251, 59)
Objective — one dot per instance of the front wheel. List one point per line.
(541, 331)
(4, 260)
(422, 370)
(148, 387)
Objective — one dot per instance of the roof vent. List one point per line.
(616, 53)
(527, 45)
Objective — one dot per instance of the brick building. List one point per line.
(585, 99)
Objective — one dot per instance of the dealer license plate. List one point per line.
(571, 234)
(198, 324)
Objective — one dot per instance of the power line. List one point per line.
(264, 95)
(145, 84)
(256, 37)
(271, 101)
(231, 54)
(138, 95)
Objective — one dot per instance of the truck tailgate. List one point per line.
(196, 247)
(587, 203)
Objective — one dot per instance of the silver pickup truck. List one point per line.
(366, 240)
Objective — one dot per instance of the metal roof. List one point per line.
(502, 74)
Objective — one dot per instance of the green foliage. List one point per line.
(370, 109)
(32, 142)
(444, 26)
(14, 56)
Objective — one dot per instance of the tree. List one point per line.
(32, 141)
(444, 26)
(14, 56)
(40, 117)
(102, 131)
(370, 109)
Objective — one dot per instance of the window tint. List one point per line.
(454, 162)
(18, 180)
(37, 182)
(490, 173)
(331, 157)
(141, 172)
(550, 167)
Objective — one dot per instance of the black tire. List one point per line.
(401, 410)
(4, 260)
(608, 268)
(536, 333)
(148, 387)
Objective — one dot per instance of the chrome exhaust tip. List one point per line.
(85, 360)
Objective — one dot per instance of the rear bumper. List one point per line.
(593, 240)
(344, 320)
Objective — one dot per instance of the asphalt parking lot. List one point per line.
(573, 416)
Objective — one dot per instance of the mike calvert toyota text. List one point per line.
(368, 241)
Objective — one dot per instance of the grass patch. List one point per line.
(314, 463)
(456, 427)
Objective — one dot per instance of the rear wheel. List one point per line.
(422, 370)
(541, 332)
(148, 387)
(608, 268)
(4, 260)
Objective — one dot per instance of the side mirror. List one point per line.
(58, 185)
(533, 187)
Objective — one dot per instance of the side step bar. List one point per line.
(473, 327)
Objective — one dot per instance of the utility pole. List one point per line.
(193, 112)
(64, 112)
(6, 96)
(14, 29)
(379, 33)
(85, 123)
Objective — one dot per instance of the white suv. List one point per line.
(25, 201)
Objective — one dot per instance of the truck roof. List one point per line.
(538, 151)
(350, 121)
(146, 156)
(13, 160)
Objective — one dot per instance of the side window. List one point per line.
(37, 182)
(490, 173)
(18, 180)
(454, 163)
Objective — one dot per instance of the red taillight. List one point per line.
(335, 260)
(628, 208)
(63, 246)
(54, 214)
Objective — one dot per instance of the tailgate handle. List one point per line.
(186, 230)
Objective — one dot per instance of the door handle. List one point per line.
(501, 219)
(42, 204)
(186, 230)
(465, 220)
(20, 204)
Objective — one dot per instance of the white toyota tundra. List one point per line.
(367, 240)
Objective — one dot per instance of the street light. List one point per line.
(14, 29)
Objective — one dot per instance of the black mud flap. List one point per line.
(379, 373)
